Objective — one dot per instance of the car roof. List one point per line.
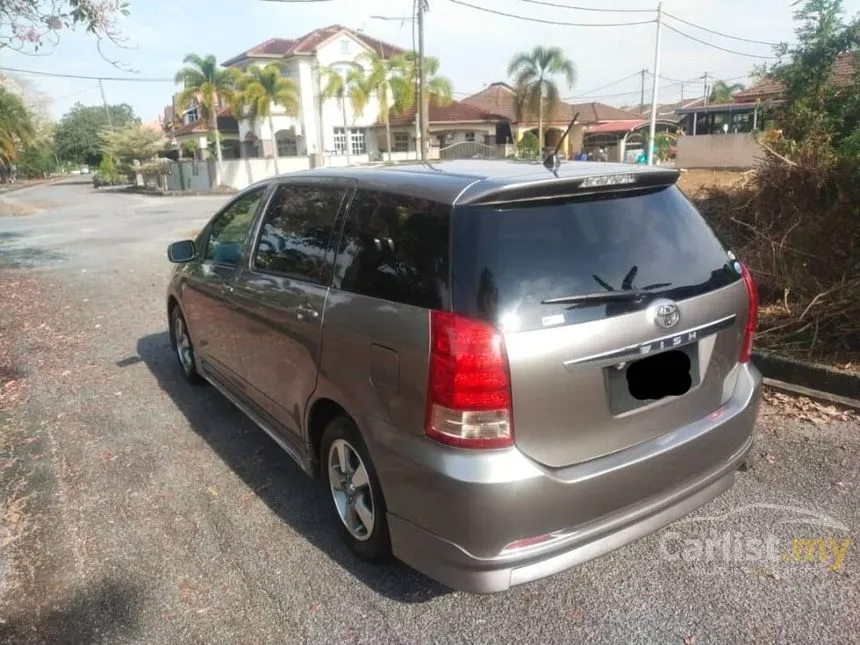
(489, 181)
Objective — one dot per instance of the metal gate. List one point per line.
(471, 150)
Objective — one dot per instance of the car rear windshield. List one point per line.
(507, 260)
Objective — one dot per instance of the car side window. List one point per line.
(229, 230)
(395, 248)
(297, 230)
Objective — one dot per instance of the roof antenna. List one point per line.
(552, 162)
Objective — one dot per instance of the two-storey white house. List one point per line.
(318, 129)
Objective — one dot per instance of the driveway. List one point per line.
(135, 508)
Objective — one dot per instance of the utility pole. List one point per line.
(706, 88)
(422, 84)
(682, 94)
(642, 95)
(104, 102)
(653, 130)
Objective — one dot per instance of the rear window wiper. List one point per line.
(606, 296)
(597, 297)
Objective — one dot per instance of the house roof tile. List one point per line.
(456, 111)
(308, 44)
(841, 75)
(500, 98)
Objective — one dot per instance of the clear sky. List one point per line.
(474, 47)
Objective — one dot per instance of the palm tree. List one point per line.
(380, 78)
(16, 127)
(722, 92)
(532, 73)
(203, 80)
(440, 90)
(260, 88)
(340, 86)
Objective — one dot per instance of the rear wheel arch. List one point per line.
(322, 412)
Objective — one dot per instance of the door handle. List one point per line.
(306, 312)
(226, 288)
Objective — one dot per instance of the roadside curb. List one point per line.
(178, 193)
(811, 377)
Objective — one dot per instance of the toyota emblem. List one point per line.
(665, 314)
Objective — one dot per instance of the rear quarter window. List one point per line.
(507, 260)
(395, 248)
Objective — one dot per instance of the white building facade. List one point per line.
(323, 130)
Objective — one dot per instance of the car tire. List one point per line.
(180, 341)
(356, 496)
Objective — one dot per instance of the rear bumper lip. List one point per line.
(452, 565)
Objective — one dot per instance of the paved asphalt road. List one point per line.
(138, 509)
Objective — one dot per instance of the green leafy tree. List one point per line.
(534, 75)
(16, 127)
(528, 146)
(814, 106)
(379, 78)
(77, 135)
(440, 90)
(259, 90)
(342, 86)
(208, 84)
(131, 142)
(722, 92)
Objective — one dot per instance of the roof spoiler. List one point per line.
(485, 192)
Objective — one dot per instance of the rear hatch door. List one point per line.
(643, 327)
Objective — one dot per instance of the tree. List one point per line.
(814, 107)
(722, 92)
(440, 90)
(537, 92)
(16, 127)
(203, 80)
(28, 25)
(131, 142)
(77, 136)
(261, 88)
(377, 79)
(528, 147)
(337, 85)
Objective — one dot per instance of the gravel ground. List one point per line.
(138, 509)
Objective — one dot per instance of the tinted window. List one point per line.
(395, 248)
(507, 260)
(229, 230)
(296, 230)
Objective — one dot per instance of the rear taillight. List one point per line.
(752, 315)
(469, 387)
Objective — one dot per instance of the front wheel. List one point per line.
(355, 491)
(181, 341)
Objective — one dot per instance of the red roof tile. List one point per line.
(841, 75)
(307, 44)
(500, 98)
(456, 111)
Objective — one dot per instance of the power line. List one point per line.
(88, 78)
(603, 87)
(718, 33)
(707, 44)
(567, 6)
(552, 22)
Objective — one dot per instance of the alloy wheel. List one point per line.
(350, 489)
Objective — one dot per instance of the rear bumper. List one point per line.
(452, 512)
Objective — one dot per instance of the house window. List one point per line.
(401, 142)
(287, 144)
(192, 114)
(357, 142)
(340, 141)
(470, 136)
(344, 46)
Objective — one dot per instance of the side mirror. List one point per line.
(179, 252)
